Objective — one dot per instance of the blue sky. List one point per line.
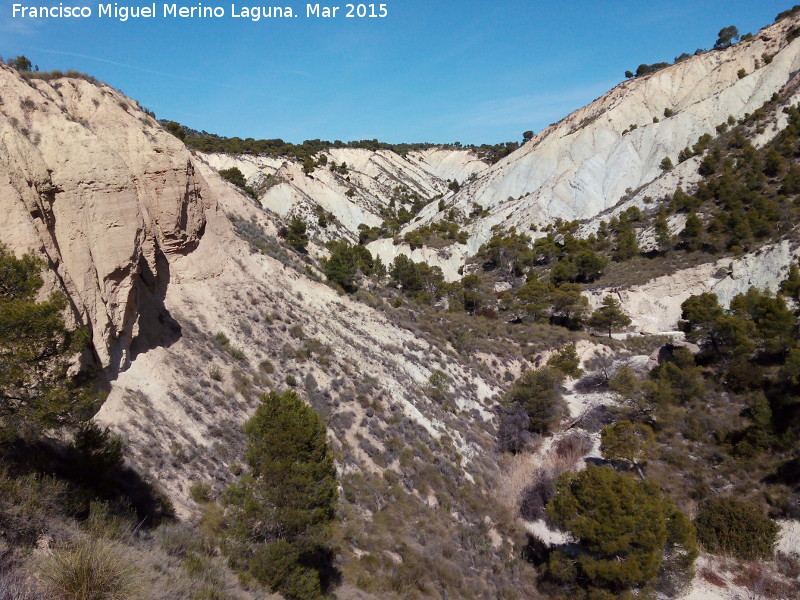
(474, 71)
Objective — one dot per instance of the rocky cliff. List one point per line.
(196, 307)
(655, 306)
(95, 186)
(600, 159)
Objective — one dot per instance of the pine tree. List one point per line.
(698, 314)
(36, 348)
(609, 316)
(589, 265)
(568, 305)
(774, 163)
(533, 298)
(627, 245)
(628, 442)
(539, 393)
(281, 511)
(774, 322)
(341, 267)
(727, 35)
(692, 232)
(296, 235)
(567, 361)
(663, 236)
(791, 285)
(404, 273)
(624, 527)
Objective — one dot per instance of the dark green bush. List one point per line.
(295, 234)
(736, 528)
(624, 527)
(539, 393)
(236, 177)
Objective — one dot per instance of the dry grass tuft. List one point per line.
(90, 569)
(15, 587)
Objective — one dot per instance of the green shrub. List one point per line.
(539, 393)
(36, 348)
(236, 177)
(347, 263)
(736, 528)
(99, 451)
(236, 353)
(21, 63)
(175, 129)
(200, 492)
(645, 69)
(279, 565)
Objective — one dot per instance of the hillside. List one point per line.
(157, 255)
(601, 159)
(588, 161)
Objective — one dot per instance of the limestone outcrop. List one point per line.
(358, 193)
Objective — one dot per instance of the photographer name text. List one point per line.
(122, 12)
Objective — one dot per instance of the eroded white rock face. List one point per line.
(358, 196)
(168, 400)
(587, 162)
(583, 164)
(656, 305)
(103, 193)
(588, 166)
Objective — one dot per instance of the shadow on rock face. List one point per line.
(157, 328)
